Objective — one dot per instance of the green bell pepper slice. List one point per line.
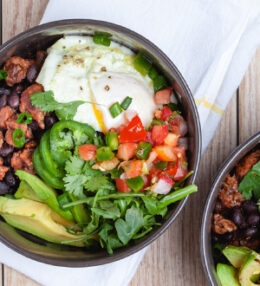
(38, 166)
(135, 183)
(104, 154)
(143, 150)
(42, 191)
(46, 156)
(66, 135)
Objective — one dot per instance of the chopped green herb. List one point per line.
(3, 74)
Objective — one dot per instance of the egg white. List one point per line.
(78, 69)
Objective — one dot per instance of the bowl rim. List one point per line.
(161, 56)
(229, 163)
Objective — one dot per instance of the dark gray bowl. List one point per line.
(205, 235)
(42, 37)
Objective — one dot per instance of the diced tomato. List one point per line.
(112, 129)
(171, 169)
(166, 178)
(151, 158)
(166, 113)
(133, 168)
(147, 181)
(181, 171)
(159, 132)
(180, 153)
(165, 153)
(163, 96)
(87, 152)
(158, 114)
(178, 125)
(154, 172)
(171, 139)
(126, 151)
(121, 186)
(133, 132)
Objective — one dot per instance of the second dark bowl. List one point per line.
(206, 245)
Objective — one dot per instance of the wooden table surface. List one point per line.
(174, 259)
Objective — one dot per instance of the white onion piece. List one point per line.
(151, 158)
(173, 99)
(123, 176)
(162, 187)
(183, 125)
(183, 141)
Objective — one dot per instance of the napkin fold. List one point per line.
(211, 42)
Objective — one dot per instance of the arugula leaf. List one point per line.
(127, 228)
(74, 184)
(74, 165)
(107, 209)
(47, 103)
(251, 184)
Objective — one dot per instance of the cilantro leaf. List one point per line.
(127, 228)
(74, 165)
(107, 209)
(47, 103)
(88, 171)
(250, 185)
(110, 240)
(74, 184)
(96, 183)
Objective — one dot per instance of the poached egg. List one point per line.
(78, 69)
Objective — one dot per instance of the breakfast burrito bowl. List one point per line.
(100, 143)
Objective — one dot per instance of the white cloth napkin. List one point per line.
(211, 42)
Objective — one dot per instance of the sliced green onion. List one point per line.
(126, 102)
(18, 137)
(153, 73)
(142, 64)
(162, 165)
(112, 140)
(102, 38)
(24, 118)
(159, 83)
(3, 74)
(115, 109)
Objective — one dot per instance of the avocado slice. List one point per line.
(42, 191)
(25, 191)
(236, 255)
(38, 219)
(227, 275)
(249, 270)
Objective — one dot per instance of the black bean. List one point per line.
(219, 207)
(7, 160)
(3, 100)
(249, 207)
(13, 100)
(6, 149)
(33, 125)
(49, 121)
(18, 88)
(215, 238)
(4, 188)
(238, 217)
(32, 73)
(228, 236)
(253, 219)
(5, 91)
(10, 179)
(250, 232)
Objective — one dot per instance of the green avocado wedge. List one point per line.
(39, 189)
(250, 269)
(38, 219)
(227, 275)
(237, 255)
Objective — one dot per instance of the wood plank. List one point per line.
(18, 16)
(249, 100)
(174, 259)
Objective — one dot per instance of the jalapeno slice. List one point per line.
(66, 135)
